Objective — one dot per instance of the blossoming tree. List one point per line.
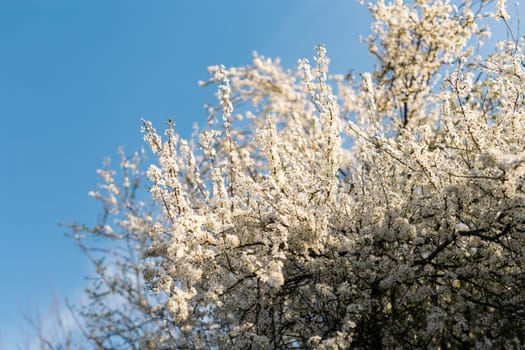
(320, 211)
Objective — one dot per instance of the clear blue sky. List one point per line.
(75, 79)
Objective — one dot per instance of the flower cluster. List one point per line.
(319, 212)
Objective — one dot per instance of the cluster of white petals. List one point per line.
(323, 212)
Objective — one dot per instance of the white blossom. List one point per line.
(319, 212)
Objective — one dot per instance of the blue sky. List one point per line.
(75, 79)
